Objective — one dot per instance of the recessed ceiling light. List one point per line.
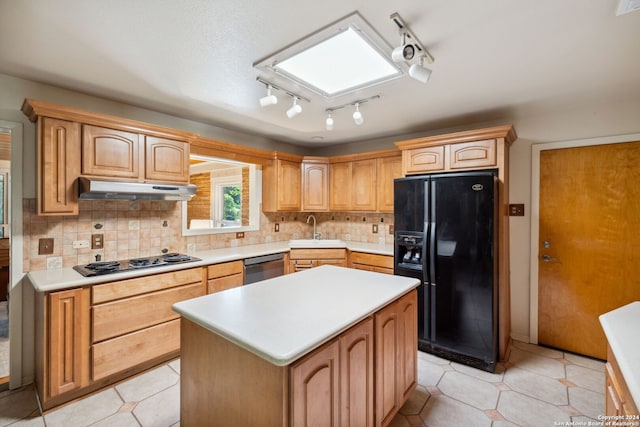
(341, 58)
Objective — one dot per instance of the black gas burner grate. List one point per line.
(108, 267)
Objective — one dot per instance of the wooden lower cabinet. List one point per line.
(91, 337)
(68, 336)
(618, 400)
(225, 276)
(303, 259)
(341, 383)
(372, 262)
(396, 350)
(334, 384)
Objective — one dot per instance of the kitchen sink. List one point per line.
(317, 243)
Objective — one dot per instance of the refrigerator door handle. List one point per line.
(432, 253)
(426, 276)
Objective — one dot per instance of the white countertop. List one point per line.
(284, 318)
(621, 328)
(66, 278)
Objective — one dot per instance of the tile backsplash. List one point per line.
(143, 228)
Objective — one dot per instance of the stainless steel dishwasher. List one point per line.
(263, 267)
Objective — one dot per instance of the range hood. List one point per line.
(94, 189)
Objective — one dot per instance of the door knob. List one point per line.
(547, 258)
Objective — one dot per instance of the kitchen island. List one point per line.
(331, 345)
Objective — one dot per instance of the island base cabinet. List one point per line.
(224, 385)
(344, 382)
(618, 400)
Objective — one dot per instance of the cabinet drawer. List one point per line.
(112, 356)
(226, 282)
(126, 288)
(317, 254)
(224, 269)
(472, 154)
(375, 260)
(120, 317)
(420, 160)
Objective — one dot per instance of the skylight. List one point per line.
(337, 60)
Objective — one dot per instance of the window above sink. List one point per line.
(227, 199)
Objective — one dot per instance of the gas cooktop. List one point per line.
(109, 267)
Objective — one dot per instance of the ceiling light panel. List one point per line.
(339, 59)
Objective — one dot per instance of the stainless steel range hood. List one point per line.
(93, 189)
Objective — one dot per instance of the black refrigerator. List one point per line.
(446, 236)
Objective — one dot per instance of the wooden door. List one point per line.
(166, 160)
(111, 153)
(363, 189)
(589, 242)
(315, 187)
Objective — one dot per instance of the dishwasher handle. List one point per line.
(263, 258)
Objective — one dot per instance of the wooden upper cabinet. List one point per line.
(315, 186)
(423, 160)
(389, 168)
(58, 166)
(281, 186)
(166, 160)
(340, 186)
(474, 154)
(364, 188)
(111, 153)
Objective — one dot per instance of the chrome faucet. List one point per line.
(316, 236)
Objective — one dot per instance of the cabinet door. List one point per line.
(423, 160)
(389, 168)
(340, 186)
(474, 154)
(387, 363)
(288, 185)
(315, 187)
(58, 166)
(356, 376)
(364, 187)
(396, 350)
(166, 160)
(111, 153)
(68, 343)
(315, 388)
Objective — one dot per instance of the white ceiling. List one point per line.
(193, 59)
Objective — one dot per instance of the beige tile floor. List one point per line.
(536, 387)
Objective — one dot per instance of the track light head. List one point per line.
(270, 99)
(419, 72)
(329, 122)
(357, 115)
(295, 108)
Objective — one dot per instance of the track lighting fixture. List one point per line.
(270, 99)
(358, 118)
(357, 115)
(419, 71)
(410, 48)
(404, 52)
(295, 108)
(329, 121)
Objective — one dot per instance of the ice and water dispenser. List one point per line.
(408, 250)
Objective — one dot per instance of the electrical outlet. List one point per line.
(391, 229)
(97, 241)
(78, 244)
(240, 235)
(374, 228)
(276, 227)
(516, 209)
(45, 246)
